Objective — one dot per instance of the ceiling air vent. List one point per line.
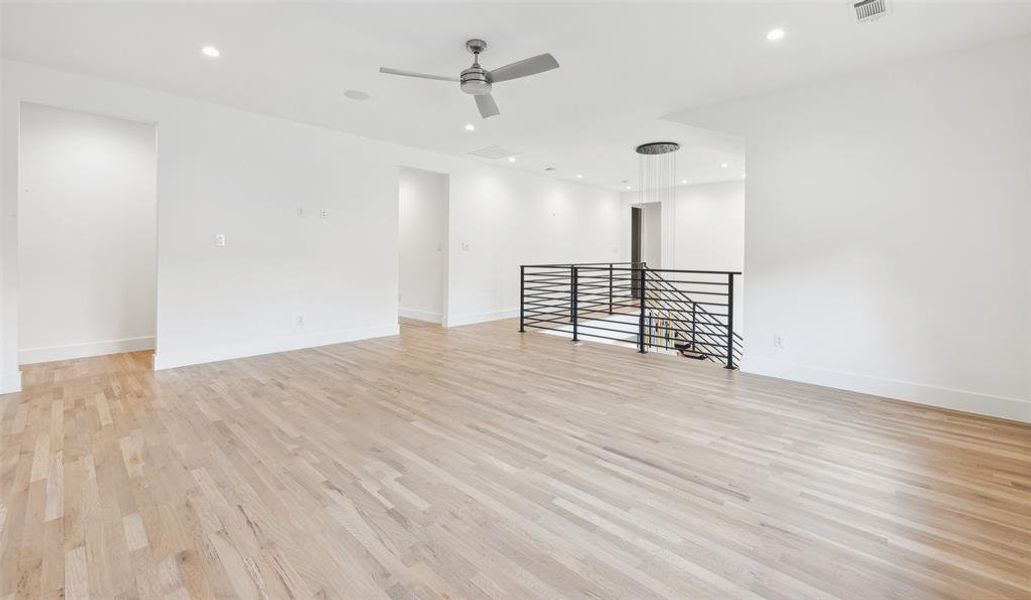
(493, 152)
(868, 11)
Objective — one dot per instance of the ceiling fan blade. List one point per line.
(390, 71)
(488, 107)
(524, 68)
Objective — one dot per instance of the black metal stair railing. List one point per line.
(675, 310)
(706, 330)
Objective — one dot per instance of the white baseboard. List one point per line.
(165, 359)
(10, 383)
(1014, 409)
(28, 356)
(419, 315)
(469, 319)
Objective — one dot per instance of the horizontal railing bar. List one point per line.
(689, 321)
(556, 272)
(604, 275)
(546, 296)
(616, 284)
(550, 281)
(633, 334)
(551, 308)
(546, 301)
(564, 317)
(580, 265)
(536, 326)
(592, 335)
(548, 309)
(691, 302)
(558, 321)
(705, 354)
(632, 340)
(605, 267)
(553, 303)
(685, 292)
(723, 283)
(697, 317)
(551, 318)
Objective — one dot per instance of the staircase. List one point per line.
(675, 311)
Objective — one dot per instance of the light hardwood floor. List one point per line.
(480, 463)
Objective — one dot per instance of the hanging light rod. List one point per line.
(653, 148)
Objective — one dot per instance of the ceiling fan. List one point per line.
(478, 81)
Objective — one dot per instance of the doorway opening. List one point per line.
(422, 245)
(646, 234)
(87, 234)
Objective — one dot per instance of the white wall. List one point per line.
(222, 170)
(705, 229)
(887, 230)
(87, 234)
(422, 244)
(500, 219)
(10, 379)
(710, 227)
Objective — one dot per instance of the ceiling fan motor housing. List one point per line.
(475, 80)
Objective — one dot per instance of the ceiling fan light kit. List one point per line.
(479, 82)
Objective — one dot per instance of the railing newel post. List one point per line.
(640, 326)
(694, 321)
(573, 276)
(610, 288)
(522, 298)
(730, 321)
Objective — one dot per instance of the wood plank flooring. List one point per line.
(480, 463)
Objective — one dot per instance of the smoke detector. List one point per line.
(868, 11)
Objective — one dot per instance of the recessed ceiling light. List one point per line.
(579, 176)
(211, 51)
(356, 95)
(470, 127)
(683, 181)
(511, 159)
(628, 187)
(724, 166)
(775, 34)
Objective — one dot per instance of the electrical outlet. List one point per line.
(300, 319)
(300, 212)
(220, 240)
(324, 214)
(778, 342)
(465, 246)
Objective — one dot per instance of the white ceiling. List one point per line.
(624, 65)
